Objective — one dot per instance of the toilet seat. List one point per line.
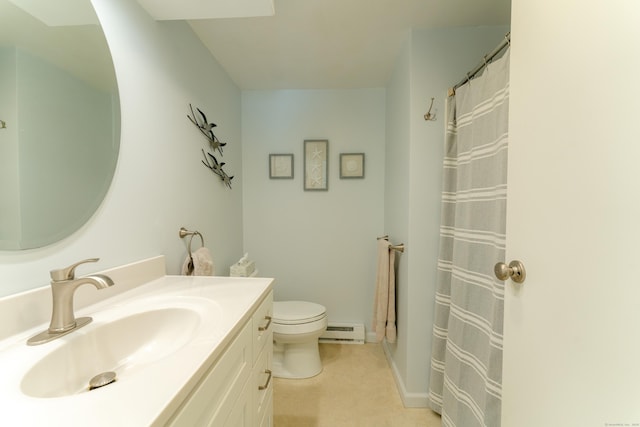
(297, 312)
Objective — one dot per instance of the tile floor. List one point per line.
(355, 389)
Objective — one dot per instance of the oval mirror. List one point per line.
(60, 120)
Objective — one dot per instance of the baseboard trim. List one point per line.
(409, 400)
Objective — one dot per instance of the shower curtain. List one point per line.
(466, 361)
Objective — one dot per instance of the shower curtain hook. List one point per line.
(508, 38)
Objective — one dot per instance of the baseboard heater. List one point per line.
(343, 333)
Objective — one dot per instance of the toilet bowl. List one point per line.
(297, 325)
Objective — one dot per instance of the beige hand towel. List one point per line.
(200, 264)
(384, 310)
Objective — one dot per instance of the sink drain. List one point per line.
(102, 380)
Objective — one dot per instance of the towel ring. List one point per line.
(191, 240)
(184, 232)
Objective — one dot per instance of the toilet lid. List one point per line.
(294, 312)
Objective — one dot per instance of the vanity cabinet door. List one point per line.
(263, 386)
(262, 383)
(242, 413)
(267, 416)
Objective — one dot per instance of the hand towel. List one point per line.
(384, 310)
(199, 264)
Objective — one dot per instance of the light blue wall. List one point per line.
(160, 183)
(432, 61)
(320, 246)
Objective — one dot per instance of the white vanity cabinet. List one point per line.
(237, 389)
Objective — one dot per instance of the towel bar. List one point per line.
(399, 248)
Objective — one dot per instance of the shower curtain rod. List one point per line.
(487, 58)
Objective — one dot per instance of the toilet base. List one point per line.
(296, 360)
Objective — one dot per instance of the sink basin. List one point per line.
(124, 346)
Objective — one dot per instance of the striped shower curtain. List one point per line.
(466, 361)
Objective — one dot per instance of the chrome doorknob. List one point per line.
(515, 270)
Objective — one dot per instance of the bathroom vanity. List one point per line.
(236, 391)
(185, 351)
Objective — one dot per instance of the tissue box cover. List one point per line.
(242, 270)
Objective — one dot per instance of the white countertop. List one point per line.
(153, 392)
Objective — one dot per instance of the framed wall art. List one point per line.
(351, 165)
(281, 166)
(316, 155)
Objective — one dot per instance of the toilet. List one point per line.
(297, 325)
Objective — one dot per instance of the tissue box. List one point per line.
(245, 269)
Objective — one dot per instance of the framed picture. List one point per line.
(351, 165)
(316, 155)
(281, 166)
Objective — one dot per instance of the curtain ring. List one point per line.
(428, 116)
(508, 38)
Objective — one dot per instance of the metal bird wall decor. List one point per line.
(206, 128)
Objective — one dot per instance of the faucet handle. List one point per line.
(68, 273)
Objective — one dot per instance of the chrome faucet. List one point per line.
(63, 287)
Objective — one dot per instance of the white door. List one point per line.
(572, 330)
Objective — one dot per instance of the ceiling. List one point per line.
(305, 44)
(332, 44)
